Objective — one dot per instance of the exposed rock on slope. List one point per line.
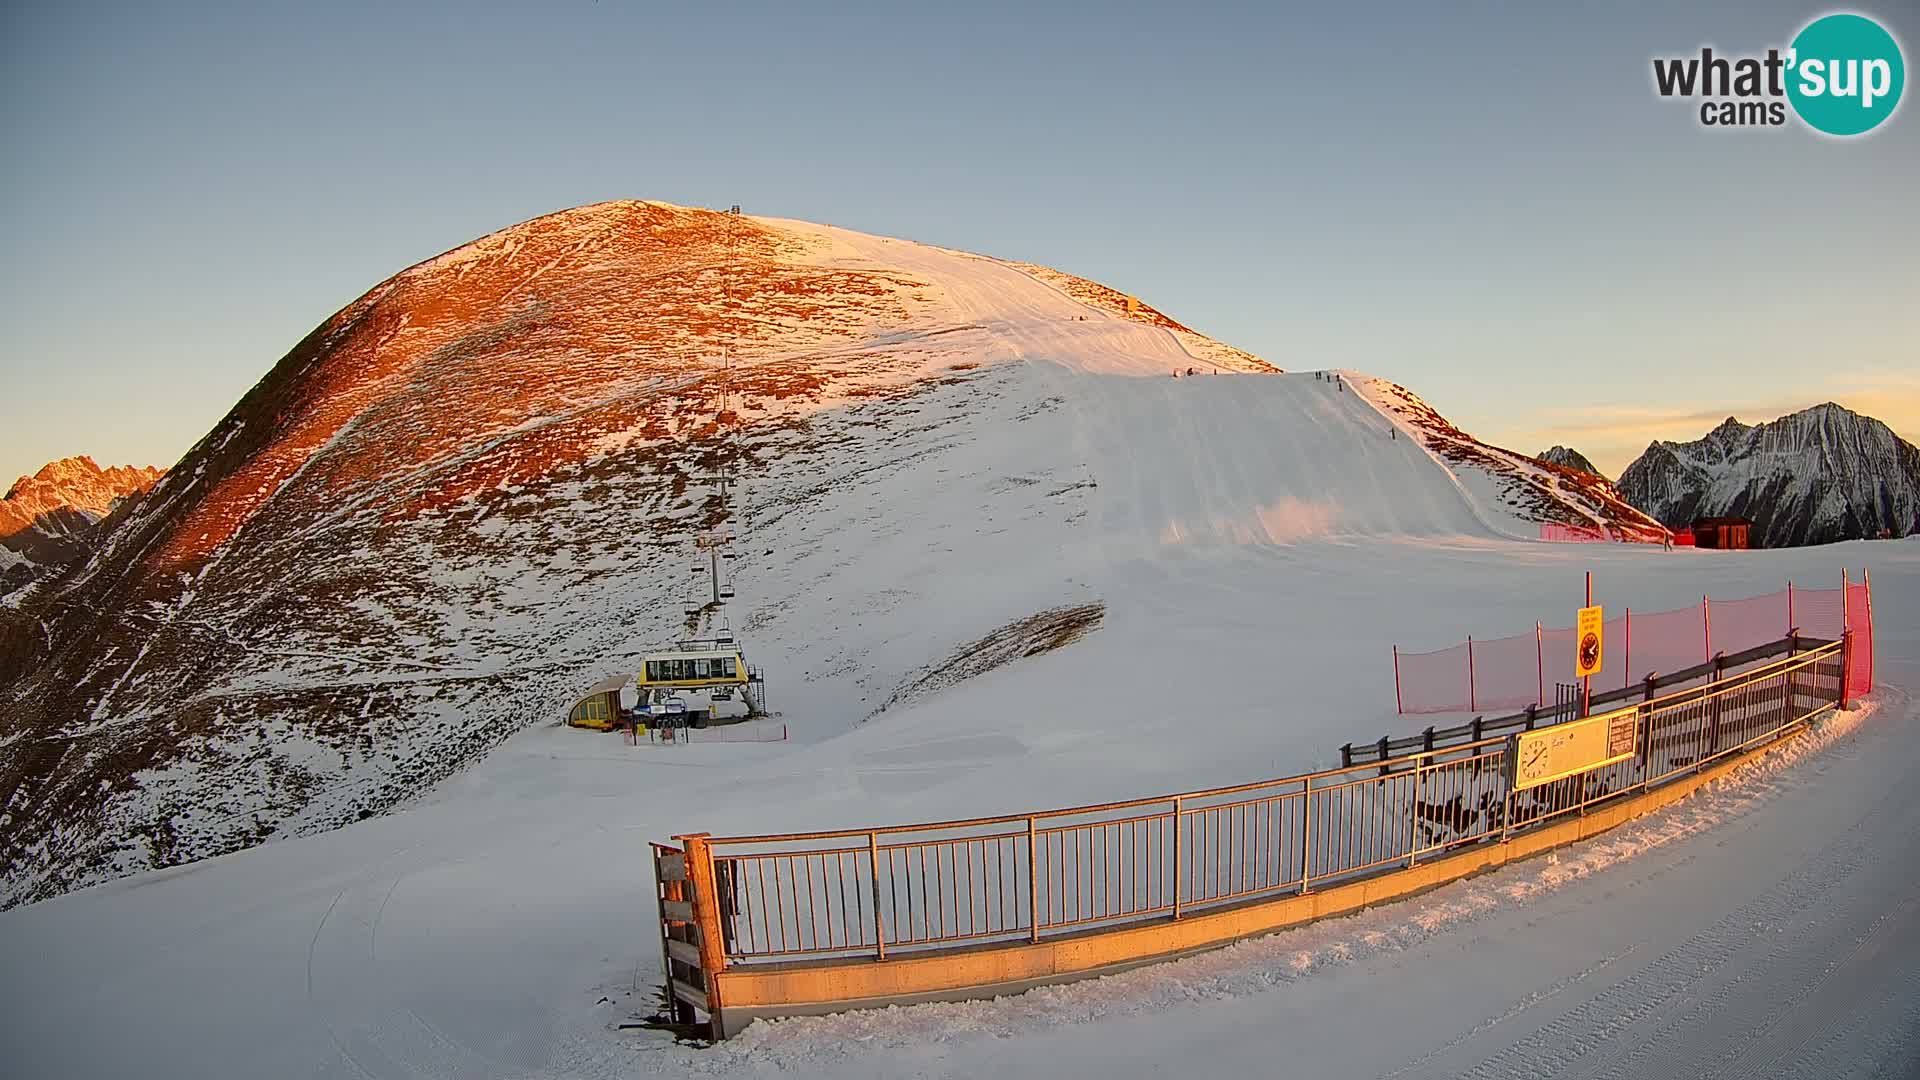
(52, 517)
(1541, 491)
(1817, 476)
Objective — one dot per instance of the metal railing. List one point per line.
(913, 888)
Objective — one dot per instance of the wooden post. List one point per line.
(706, 921)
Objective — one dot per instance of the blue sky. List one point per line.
(1486, 202)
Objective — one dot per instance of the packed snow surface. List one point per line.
(501, 927)
(1255, 543)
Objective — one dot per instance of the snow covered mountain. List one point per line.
(1819, 475)
(468, 496)
(52, 517)
(1567, 458)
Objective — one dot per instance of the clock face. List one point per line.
(1589, 651)
(1536, 756)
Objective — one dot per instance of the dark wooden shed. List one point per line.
(1727, 533)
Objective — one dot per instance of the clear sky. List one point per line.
(1486, 202)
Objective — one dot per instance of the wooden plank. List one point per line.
(690, 994)
(671, 868)
(685, 952)
(680, 911)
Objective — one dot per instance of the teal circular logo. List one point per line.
(1845, 74)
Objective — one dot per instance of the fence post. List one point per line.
(1346, 755)
(1713, 714)
(1790, 623)
(1626, 665)
(706, 919)
(1846, 666)
(1398, 707)
(1793, 647)
(1706, 625)
(1846, 632)
(1413, 808)
(1539, 663)
(1473, 694)
(873, 871)
(1866, 580)
(1383, 754)
(1177, 826)
(1033, 880)
(1306, 833)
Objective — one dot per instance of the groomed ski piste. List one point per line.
(1259, 542)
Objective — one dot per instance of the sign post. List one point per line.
(1589, 651)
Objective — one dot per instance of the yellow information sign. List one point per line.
(1555, 753)
(1588, 633)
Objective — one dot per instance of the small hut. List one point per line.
(599, 709)
(1726, 533)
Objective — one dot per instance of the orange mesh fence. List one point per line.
(1518, 671)
(1437, 681)
(1859, 614)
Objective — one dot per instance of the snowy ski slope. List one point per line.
(1257, 541)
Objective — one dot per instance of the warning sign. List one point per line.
(1588, 646)
(1563, 750)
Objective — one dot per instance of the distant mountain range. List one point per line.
(1820, 475)
(1567, 458)
(53, 517)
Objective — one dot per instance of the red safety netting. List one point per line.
(1506, 672)
(1859, 604)
(1514, 672)
(1434, 682)
(1659, 641)
(1820, 613)
(1737, 625)
(1555, 533)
